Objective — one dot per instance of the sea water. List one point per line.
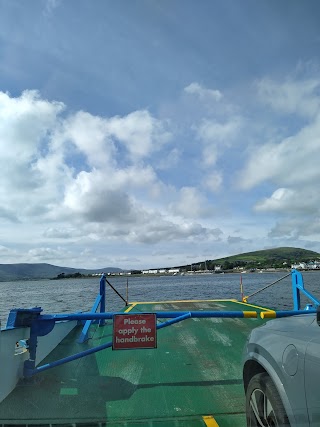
(74, 295)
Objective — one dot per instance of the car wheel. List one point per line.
(264, 407)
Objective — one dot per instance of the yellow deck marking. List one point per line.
(247, 314)
(189, 300)
(131, 307)
(210, 421)
(255, 306)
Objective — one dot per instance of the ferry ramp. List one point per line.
(193, 378)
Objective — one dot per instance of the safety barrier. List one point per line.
(43, 324)
(297, 288)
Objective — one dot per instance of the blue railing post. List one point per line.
(297, 286)
(84, 333)
(297, 282)
(30, 364)
(103, 297)
(100, 301)
(37, 329)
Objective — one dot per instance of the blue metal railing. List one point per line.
(42, 324)
(84, 333)
(100, 301)
(284, 313)
(297, 287)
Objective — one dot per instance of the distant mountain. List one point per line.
(276, 254)
(9, 272)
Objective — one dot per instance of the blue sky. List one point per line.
(144, 134)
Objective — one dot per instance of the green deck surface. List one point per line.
(196, 371)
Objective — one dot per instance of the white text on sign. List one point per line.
(134, 331)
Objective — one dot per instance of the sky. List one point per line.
(155, 133)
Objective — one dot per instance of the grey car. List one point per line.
(281, 373)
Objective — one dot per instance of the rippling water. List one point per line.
(57, 296)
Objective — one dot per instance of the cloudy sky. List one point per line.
(147, 133)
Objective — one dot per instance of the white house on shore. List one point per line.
(162, 271)
(174, 270)
(312, 265)
(149, 271)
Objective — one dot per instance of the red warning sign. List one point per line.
(134, 331)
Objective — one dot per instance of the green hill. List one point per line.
(276, 258)
(277, 254)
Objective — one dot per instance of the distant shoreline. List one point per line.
(156, 275)
(189, 273)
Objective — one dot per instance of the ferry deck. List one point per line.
(193, 378)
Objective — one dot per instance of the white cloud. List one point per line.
(235, 240)
(191, 203)
(212, 131)
(70, 161)
(217, 128)
(84, 180)
(62, 233)
(292, 161)
(213, 181)
(5, 250)
(298, 229)
(90, 136)
(141, 133)
(50, 6)
(96, 202)
(132, 177)
(46, 254)
(217, 137)
(281, 200)
(203, 93)
(111, 195)
(210, 154)
(170, 160)
(292, 96)
(162, 230)
(8, 214)
(25, 124)
(88, 182)
(288, 167)
(298, 209)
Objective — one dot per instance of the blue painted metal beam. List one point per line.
(297, 287)
(276, 314)
(159, 314)
(31, 370)
(103, 297)
(84, 333)
(172, 321)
